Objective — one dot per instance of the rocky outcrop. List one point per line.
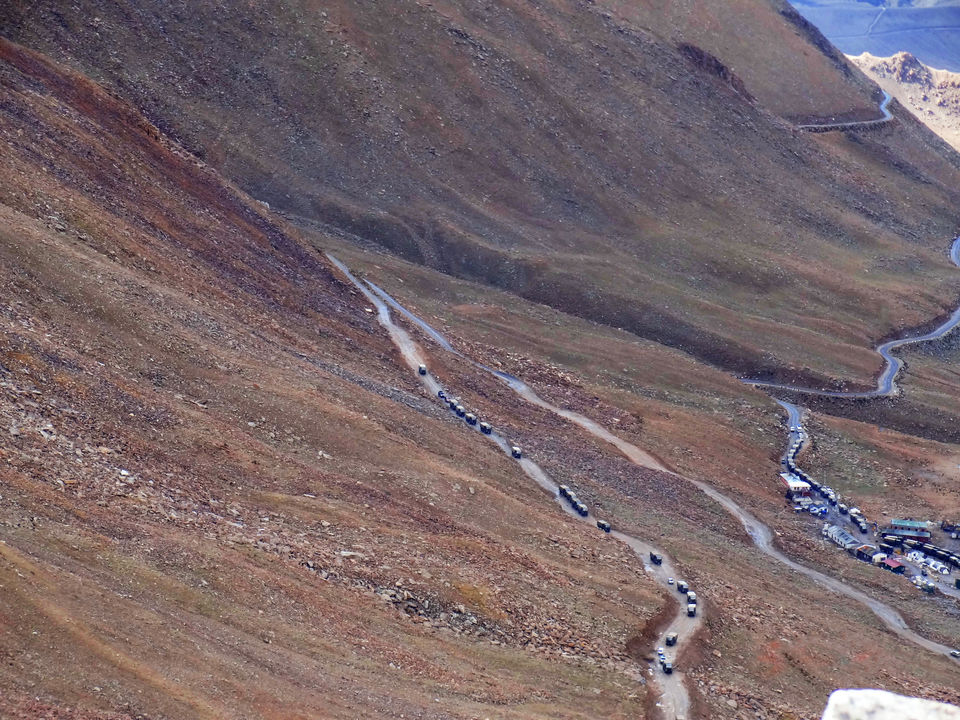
(883, 705)
(932, 95)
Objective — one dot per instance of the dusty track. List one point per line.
(886, 385)
(674, 697)
(861, 124)
(761, 535)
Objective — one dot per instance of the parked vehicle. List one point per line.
(486, 428)
(516, 452)
(422, 369)
(842, 508)
(691, 609)
(603, 525)
(671, 639)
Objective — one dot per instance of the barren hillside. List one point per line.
(224, 493)
(930, 94)
(635, 165)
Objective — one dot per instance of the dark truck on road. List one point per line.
(655, 558)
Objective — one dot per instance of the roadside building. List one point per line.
(894, 566)
(795, 487)
(909, 524)
(906, 533)
(865, 552)
(840, 536)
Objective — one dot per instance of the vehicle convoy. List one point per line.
(471, 419)
(671, 639)
(682, 586)
(603, 525)
(422, 369)
(655, 558)
(486, 428)
(756, 531)
(692, 597)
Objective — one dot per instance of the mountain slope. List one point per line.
(221, 494)
(626, 163)
(930, 94)
(225, 496)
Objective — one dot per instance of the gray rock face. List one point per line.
(883, 705)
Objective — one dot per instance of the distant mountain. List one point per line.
(929, 29)
(932, 95)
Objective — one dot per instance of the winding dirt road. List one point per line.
(761, 535)
(886, 117)
(674, 698)
(886, 385)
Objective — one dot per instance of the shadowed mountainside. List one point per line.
(624, 162)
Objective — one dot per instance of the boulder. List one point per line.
(883, 705)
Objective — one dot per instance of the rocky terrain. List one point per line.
(593, 157)
(225, 495)
(930, 94)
